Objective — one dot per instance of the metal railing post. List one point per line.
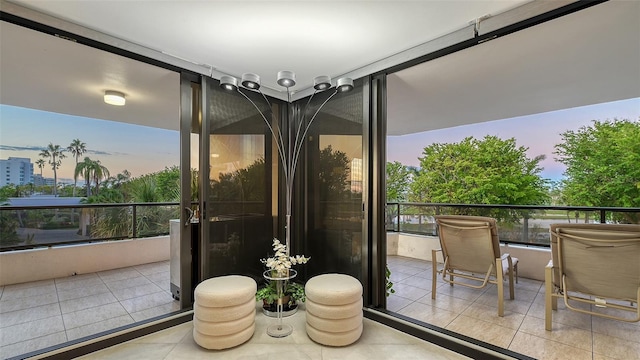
(603, 217)
(398, 215)
(134, 230)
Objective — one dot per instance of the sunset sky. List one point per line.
(118, 146)
(142, 150)
(539, 132)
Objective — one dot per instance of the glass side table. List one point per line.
(279, 329)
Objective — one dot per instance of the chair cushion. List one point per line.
(224, 328)
(222, 314)
(334, 311)
(336, 338)
(333, 289)
(225, 341)
(225, 291)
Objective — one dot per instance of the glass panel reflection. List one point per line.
(239, 206)
(334, 187)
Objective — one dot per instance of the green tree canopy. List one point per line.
(333, 174)
(246, 184)
(603, 164)
(398, 180)
(487, 171)
(91, 170)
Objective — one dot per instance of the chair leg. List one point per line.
(511, 270)
(548, 301)
(515, 268)
(500, 284)
(434, 273)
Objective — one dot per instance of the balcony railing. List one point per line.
(26, 227)
(519, 224)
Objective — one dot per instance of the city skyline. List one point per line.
(118, 146)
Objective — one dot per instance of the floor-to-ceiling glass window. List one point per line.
(333, 218)
(238, 213)
(124, 160)
(545, 98)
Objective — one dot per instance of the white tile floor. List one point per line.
(473, 313)
(377, 342)
(40, 314)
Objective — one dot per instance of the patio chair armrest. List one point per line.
(550, 264)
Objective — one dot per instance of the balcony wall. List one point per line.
(55, 262)
(532, 260)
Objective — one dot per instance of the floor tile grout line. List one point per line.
(556, 341)
(35, 338)
(64, 325)
(538, 291)
(109, 290)
(593, 339)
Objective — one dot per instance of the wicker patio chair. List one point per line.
(597, 264)
(471, 250)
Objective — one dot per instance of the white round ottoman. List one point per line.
(334, 309)
(224, 311)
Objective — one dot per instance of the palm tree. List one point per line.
(55, 154)
(40, 163)
(91, 170)
(86, 169)
(99, 172)
(77, 148)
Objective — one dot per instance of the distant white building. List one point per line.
(16, 171)
(38, 180)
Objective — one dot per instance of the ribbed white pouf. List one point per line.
(224, 311)
(334, 309)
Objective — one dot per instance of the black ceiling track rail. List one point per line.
(521, 25)
(30, 24)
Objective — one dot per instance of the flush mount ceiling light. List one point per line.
(288, 151)
(113, 97)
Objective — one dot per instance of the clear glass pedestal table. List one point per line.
(279, 329)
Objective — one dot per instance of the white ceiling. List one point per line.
(539, 69)
(588, 57)
(308, 37)
(44, 72)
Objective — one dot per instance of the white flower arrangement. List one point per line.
(280, 263)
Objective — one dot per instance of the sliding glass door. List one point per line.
(238, 217)
(333, 233)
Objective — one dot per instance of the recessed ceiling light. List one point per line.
(112, 97)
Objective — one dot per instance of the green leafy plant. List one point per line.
(296, 291)
(389, 288)
(269, 293)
